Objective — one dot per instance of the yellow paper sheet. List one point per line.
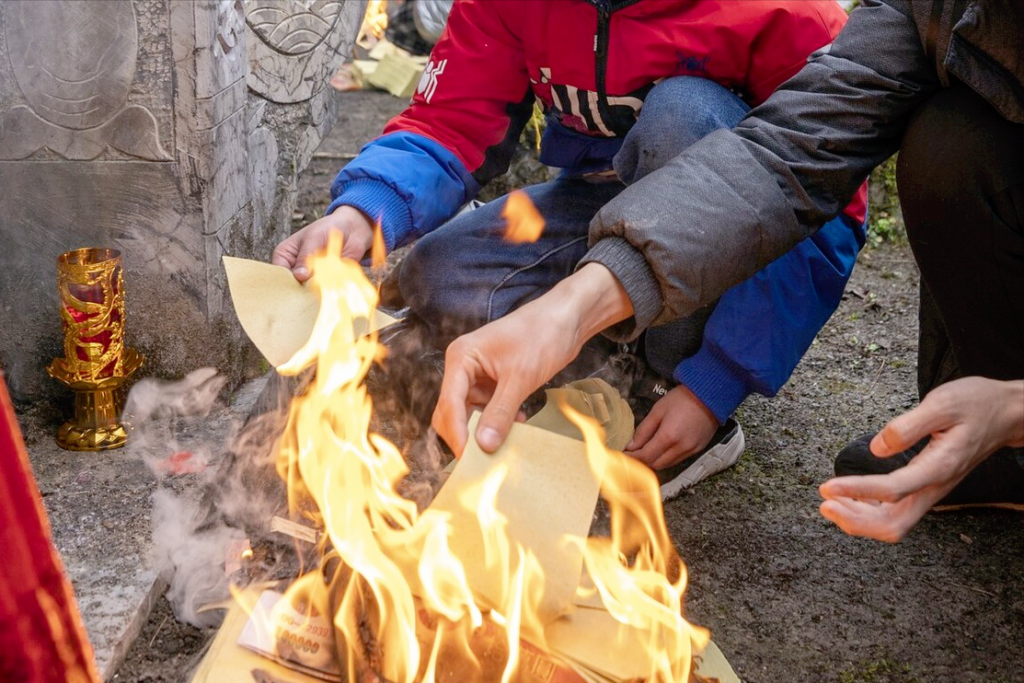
(592, 639)
(548, 496)
(276, 311)
(228, 662)
(396, 74)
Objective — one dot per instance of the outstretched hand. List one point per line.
(498, 366)
(357, 237)
(968, 419)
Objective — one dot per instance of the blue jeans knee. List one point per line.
(677, 112)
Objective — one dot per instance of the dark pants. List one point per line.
(961, 184)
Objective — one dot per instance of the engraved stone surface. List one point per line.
(76, 88)
(81, 80)
(295, 45)
(133, 124)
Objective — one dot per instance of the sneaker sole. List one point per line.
(1016, 507)
(721, 457)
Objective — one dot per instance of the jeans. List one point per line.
(464, 275)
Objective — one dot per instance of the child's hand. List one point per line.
(357, 235)
(678, 426)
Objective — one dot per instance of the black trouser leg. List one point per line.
(961, 184)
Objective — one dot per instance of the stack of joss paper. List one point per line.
(548, 496)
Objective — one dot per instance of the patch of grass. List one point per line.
(885, 219)
(879, 671)
(534, 128)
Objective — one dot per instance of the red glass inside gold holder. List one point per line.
(90, 283)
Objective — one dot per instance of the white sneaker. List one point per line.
(722, 452)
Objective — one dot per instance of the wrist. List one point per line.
(594, 298)
(1014, 403)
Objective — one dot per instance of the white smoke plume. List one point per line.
(217, 484)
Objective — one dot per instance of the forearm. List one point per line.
(737, 200)
(781, 308)
(592, 298)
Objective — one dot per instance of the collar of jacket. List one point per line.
(635, 7)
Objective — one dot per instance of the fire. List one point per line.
(375, 21)
(523, 222)
(406, 604)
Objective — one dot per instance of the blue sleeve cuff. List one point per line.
(715, 380)
(379, 201)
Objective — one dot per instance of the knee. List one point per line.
(950, 158)
(438, 282)
(696, 105)
(422, 279)
(677, 112)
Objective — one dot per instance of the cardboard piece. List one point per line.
(396, 74)
(594, 398)
(276, 311)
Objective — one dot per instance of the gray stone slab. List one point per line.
(136, 130)
(100, 505)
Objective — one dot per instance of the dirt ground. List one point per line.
(786, 595)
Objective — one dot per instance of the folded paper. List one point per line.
(277, 311)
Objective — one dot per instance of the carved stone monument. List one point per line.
(171, 130)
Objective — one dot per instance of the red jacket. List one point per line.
(590, 63)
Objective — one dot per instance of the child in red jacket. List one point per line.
(626, 86)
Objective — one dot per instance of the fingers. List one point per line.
(905, 430)
(450, 418)
(888, 522)
(498, 416)
(293, 252)
(647, 428)
(286, 252)
(312, 242)
(857, 518)
(933, 468)
(876, 487)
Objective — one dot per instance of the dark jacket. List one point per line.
(738, 199)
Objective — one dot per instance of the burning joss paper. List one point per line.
(497, 580)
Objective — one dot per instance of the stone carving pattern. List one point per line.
(74, 62)
(294, 45)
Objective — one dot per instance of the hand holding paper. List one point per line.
(276, 311)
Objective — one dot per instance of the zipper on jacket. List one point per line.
(605, 8)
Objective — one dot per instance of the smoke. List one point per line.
(217, 486)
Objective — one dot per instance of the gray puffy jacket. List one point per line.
(736, 200)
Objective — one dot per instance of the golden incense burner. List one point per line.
(95, 363)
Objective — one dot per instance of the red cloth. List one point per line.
(42, 639)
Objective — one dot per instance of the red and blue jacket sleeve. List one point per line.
(460, 130)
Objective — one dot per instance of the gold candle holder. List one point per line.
(95, 363)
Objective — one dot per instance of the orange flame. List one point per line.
(375, 21)
(378, 251)
(524, 224)
(402, 604)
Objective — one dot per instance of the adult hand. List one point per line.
(968, 419)
(678, 426)
(357, 235)
(498, 366)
